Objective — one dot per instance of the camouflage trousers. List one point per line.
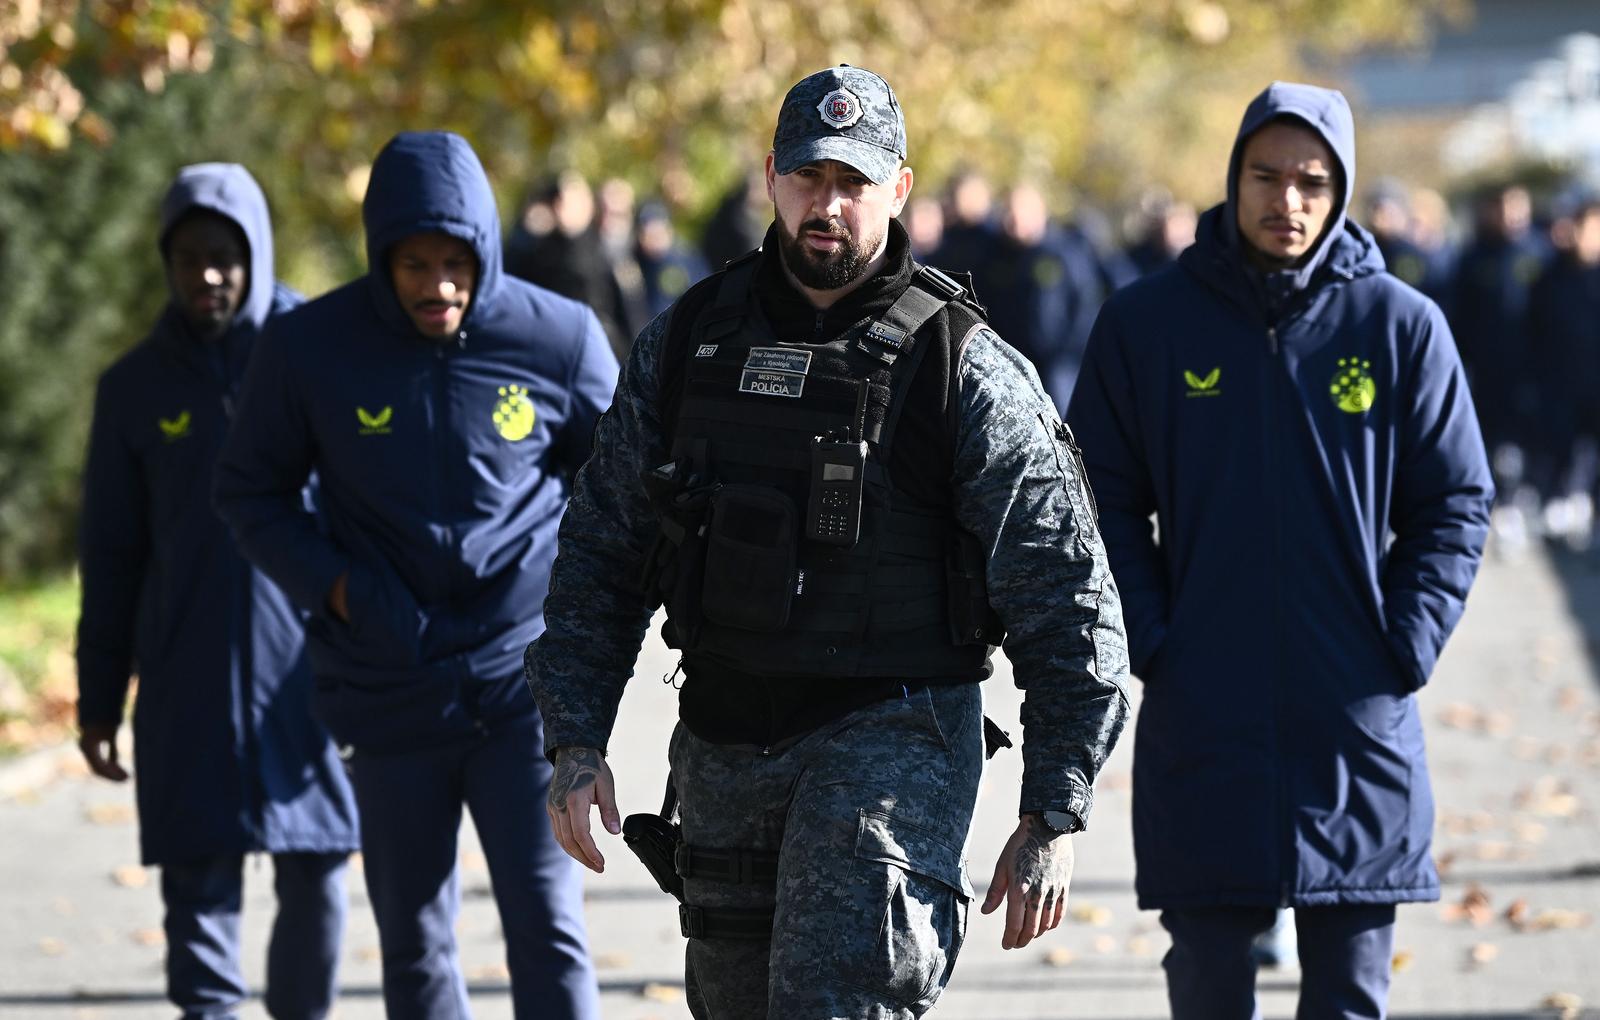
(869, 817)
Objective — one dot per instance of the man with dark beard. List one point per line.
(845, 488)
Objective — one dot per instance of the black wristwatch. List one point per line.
(1061, 823)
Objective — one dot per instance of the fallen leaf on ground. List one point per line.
(1559, 919)
(1060, 956)
(109, 813)
(1525, 748)
(1104, 944)
(51, 946)
(1517, 913)
(1139, 945)
(150, 937)
(612, 961)
(1458, 716)
(661, 993)
(1530, 832)
(489, 972)
(1569, 699)
(1483, 953)
(472, 860)
(131, 876)
(1090, 913)
(368, 954)
(1402, 961)
(1566, 1002)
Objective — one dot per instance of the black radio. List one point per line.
(833, 512)
(838, 470)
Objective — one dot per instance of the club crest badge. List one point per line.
(840, 109)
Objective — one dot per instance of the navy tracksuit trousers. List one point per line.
(1344, 961)
(202, 899)
(410, 805)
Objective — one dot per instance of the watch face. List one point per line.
(1062, 821)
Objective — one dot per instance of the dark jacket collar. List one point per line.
(795, 319)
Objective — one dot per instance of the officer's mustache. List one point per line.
(833, 229)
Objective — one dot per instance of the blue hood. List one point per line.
(1324, 111)
(227, 189)
(426, 181)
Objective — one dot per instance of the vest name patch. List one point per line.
(775, 372)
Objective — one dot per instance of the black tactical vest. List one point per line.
(742, 581)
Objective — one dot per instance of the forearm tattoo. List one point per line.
(577, 768)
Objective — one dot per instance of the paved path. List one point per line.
(1513, 722)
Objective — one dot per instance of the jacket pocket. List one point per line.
(912, 883)
(385, 620)
(750, 559)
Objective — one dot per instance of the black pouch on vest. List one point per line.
(750, 558)
(972, 620)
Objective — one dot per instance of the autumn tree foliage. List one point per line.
(101, 100)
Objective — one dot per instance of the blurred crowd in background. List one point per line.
(1519, 281)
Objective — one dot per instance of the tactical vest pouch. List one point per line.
(673, 569)
(750, 558)
(972, 620)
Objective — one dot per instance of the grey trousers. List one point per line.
(869, 816)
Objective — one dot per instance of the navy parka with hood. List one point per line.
(444, 466)
(1307, 444)
(226, 754)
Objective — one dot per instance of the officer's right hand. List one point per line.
(99, 746)
(582, 780)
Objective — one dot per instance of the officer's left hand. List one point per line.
(1032, 875)
(582, 781)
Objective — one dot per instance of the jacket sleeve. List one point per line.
(1105, 416)
(267, 458)
(596, 613)
(1440, 509)
(1019, 488)
(589, 390)
(113, 550)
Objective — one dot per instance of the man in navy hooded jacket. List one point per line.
(1298, 423)
(228, 758)
(445, 408)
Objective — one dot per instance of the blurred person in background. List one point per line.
(969, 231)
(1488, 309)
(1297, 422)
(1388, 217)
(1042, 289)
(228, 759)
(924, 223)
(738, 224)
(1163, 227)
(446, 408)
(556, 245)
(614, 224)
(668, 268)
(1432, 231)
(1564, 337)
(1090, 229)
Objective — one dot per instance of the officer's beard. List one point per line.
(824, 270)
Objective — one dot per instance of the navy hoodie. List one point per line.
(226, 755)
(1307, 445)
(444, 466)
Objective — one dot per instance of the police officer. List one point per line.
(228, 758)
(843, 485)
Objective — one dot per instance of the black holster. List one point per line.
(654, 840)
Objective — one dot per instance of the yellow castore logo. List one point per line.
(513, 413)
(175, 428)
(1353, 388)
(1206, 386)
(375, 424)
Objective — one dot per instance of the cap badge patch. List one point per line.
(840, 109)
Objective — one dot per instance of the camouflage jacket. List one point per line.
(1018, 485)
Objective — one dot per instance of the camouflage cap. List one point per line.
(844, 113)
